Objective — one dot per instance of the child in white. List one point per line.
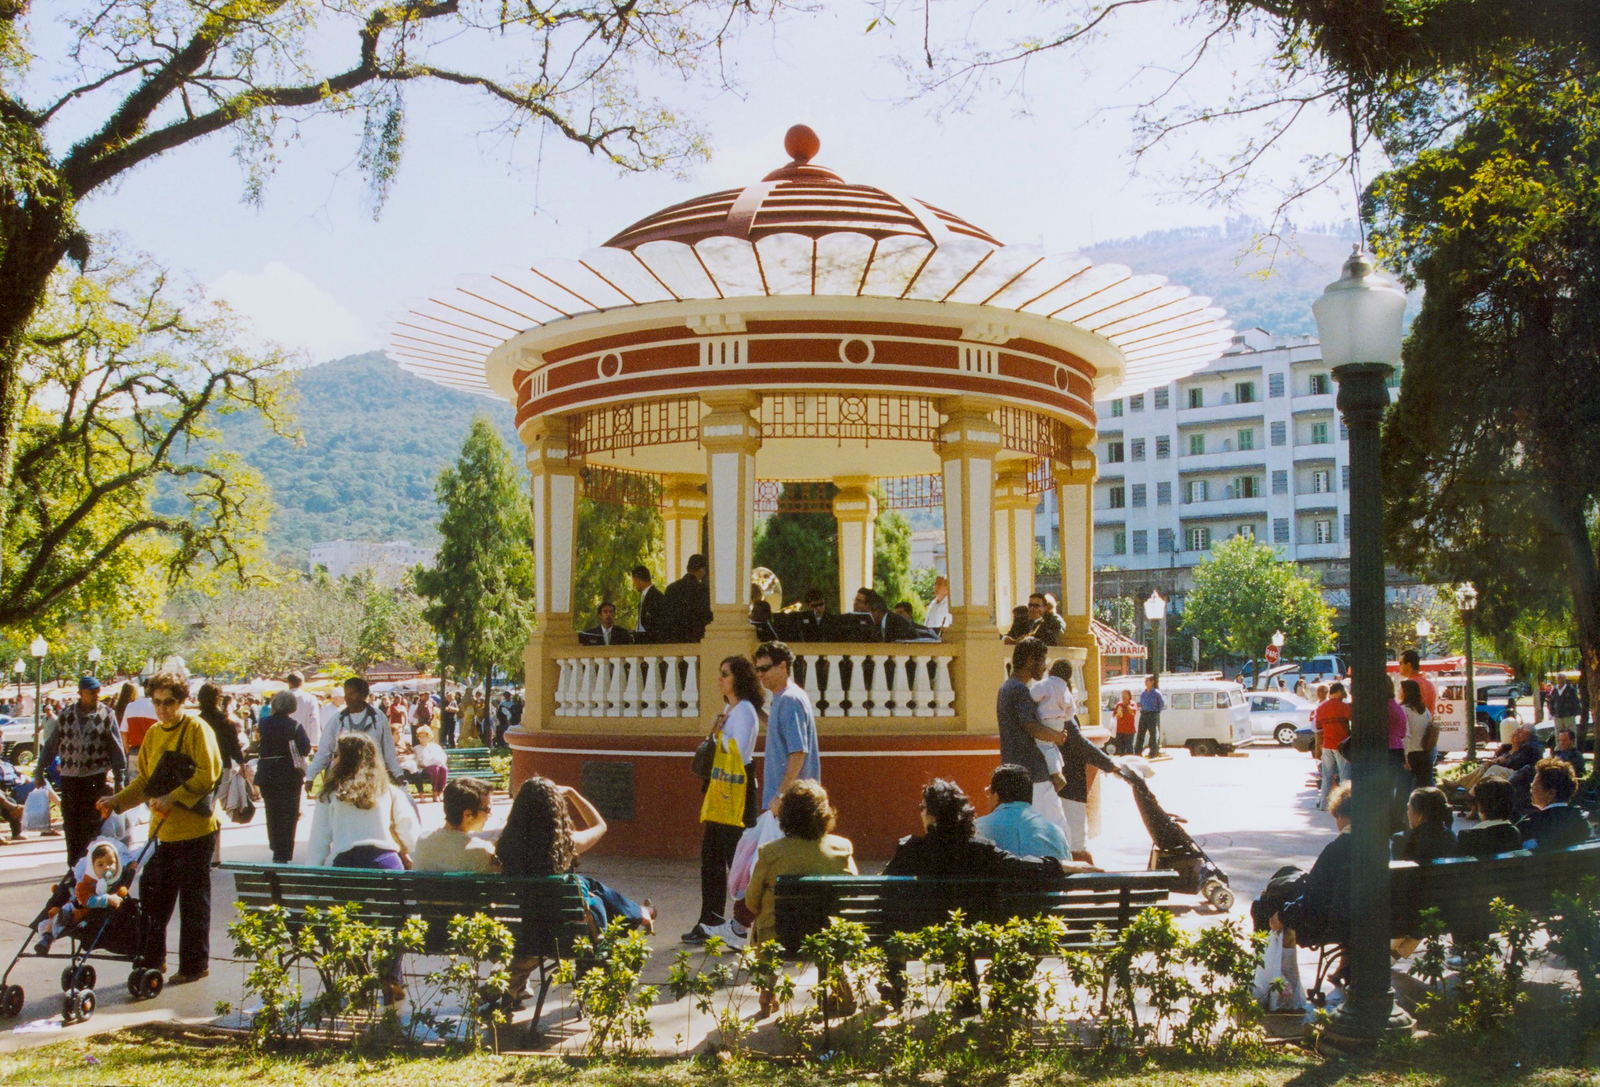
(431, 759)
(1057, 705)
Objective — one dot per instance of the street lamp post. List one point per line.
(1360, 323)
(19, 669)
(1424, 632)
(1467, 603)
(1155, 610)
(37, 650)
(95, 657)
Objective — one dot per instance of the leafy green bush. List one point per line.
(607, 988)
(1575, 936)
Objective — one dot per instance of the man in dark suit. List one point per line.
(652, 607)
(1495, 831)
(688, 603)
(890, 626)
(1554, 823)
(607, 633)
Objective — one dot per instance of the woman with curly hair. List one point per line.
(540, 839)
(361, 820)
(949, 848)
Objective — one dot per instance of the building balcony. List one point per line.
(1226, 412)
(1223, 507)
(1317, 501)
(1310, 403)
(1305, 551)
(1304, 451)
(1222, 460)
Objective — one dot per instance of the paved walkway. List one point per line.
(1252, 812)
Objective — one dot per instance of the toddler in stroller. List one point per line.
(97, 885)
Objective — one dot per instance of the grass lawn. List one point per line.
(150, 1056)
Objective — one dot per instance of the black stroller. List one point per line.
(109, 934)
(1172, 848)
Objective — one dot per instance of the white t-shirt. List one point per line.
(137, 719)
(430, 755)
(306, 712)
(1057, 706)
(1416, 726)
(938, 614)
(337, 826)
(741, 726)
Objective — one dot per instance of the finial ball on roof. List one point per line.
(801, 143)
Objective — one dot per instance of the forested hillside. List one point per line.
(375, 437)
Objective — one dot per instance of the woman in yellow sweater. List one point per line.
(182, 820)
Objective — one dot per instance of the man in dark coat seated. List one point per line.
(607, 632)
(1554, 823)
(891, 625)
(1495, 832)
(1321, 914)
(688, 603)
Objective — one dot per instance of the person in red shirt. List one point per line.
(1332, 724)
(1127, 715)
(1410, 668)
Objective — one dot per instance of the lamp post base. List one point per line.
(1354, 1031)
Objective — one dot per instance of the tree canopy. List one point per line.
(1243, 594)
(1492, 451)
(480, 590)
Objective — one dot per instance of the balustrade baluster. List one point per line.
(563, 677)
(650, 697)
(880, 685)
(670, 696)
(858, 685)
(944, 695)
(614, 688)
(580, 692)
(812, 689)
(833, 692)
(691, 687)
(901, 676)
(630, 689)
(922, 669)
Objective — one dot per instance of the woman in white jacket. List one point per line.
(362, 820)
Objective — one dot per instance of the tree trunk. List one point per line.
(1583, 581)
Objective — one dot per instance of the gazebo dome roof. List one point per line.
(800, 198)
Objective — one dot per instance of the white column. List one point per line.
(855, 509)
(1014, 511)
(555, 523)
(731, 435)
(970, 442)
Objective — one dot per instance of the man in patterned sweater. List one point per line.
(88, 741)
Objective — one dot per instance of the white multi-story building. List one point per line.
(387, 562)
(1251, 445)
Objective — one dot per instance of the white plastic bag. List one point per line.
(36, 809)
(744, 856)
(1277, 986)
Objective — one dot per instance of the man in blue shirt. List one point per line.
(791, 725)
(1013, 825)
(1151, 703)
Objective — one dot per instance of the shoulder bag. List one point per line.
(706, 754)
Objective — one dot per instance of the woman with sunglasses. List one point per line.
(179, 872)
(736, 729)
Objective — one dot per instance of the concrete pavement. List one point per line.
(1253, 812)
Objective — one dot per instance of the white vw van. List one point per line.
(1205, 713)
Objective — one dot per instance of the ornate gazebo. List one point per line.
(802, 329)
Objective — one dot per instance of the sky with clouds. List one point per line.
(315, 270)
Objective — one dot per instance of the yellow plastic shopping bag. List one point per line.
(724, 801)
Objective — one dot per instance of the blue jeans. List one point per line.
(1149, 725)
(607, 904)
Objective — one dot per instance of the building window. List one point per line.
(1139, 493)
(1347, 526)
(1280, 433)
(1247, 440)
(1113, 452)
(1136, 403)
(1274, 384)
(1344, 478)
(1161, 397)
(1324, 532)
(1319, 385)
(1319, 433)
(1163, 448)
(1163, 494)
(1118, 497)
(1138, 449)
(1141, 541)
(1344, 431)
(1247, 531)
(1247, 487)
(1119, 543)
(1199, 539)
(1280, 530)
(1116, 409)
(1319, 481)
(1280, 482)
(1393, 380)
(1166, 542)
(1197, 490)
(1197, 398)
(1197, 444)
(1244, 392)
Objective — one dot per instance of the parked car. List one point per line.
(1207, 715)
(1279, 715)
(1323, 669)
(16, 740)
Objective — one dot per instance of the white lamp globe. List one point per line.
(1361, 315)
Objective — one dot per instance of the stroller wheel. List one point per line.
(86, 1004)
(135, 986)
(11, 1001)
(86, 976)
(151, 984)
(68, 973)
(1217, 893)
(70, 1007)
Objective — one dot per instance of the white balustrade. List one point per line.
(856, 694)
(833, 693)
(634, 686)
(879, 684)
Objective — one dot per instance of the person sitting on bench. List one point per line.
(949, 845)
(1320, 915)
(1554, 823)
(1430, 836)
(452, 848)
(1496, 833)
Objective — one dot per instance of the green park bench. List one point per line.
(1092, 905)
(473, 762)
(547, 915)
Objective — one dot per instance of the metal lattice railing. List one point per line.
(620, 487)
(868, 418)
(635, 426)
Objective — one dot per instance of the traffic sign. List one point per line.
(1272, 654)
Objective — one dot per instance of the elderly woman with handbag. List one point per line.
(281, 774)
(726, 765)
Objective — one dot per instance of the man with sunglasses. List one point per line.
(792, 752)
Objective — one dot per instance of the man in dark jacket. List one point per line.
(891, 625)
(1566, 704)
(1554, 823)
(606, 632)
(688, 603)
(652, 607)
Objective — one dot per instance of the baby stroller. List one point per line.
(1172, 848)
(111, 934)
